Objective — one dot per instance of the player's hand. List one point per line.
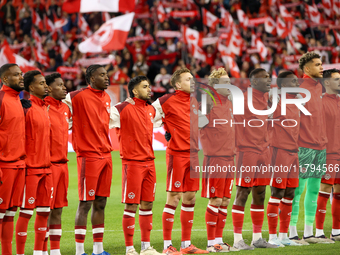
(167, 136)
(130, 100)
(26, 103)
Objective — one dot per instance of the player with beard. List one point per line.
(134, 122)
(12, 151)
(331, 111)
(59, 116)
(312, 148)
(38, 182)
(252, 150)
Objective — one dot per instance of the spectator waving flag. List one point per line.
(65, 51)
(336, 6)
(191, 37)
(84, 27)
(227, 19)
(270, 26)
(337, 37)
(314, 14)
(281, 28)
(110, 36)
(161, 13)
(37, 20)
(327, 7)
(285, 14)
(209, 19)
(7, 56)
(72, 6)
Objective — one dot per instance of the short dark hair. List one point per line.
(4, 68)
(89, 71)
(281, 76)
(177, 75)
(29, 78)
(256, 71)
(51, 78)
(307, 57)
(134, 82)
(328, 73)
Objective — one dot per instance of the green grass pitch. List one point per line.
(114, 238)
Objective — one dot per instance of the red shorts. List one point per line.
(218, 183)
(38, 191)
(285, 172)
(12, 187)
(138, 181)
(181, 173)
(252, 168)
(60, 185)
(94, 177)
(332, 175)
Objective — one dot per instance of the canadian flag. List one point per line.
(336, 6)
(40, 56)
(191, 37)
(72, 6)
(337, 37)
(48, 24)
(242, 17)
(224, 52)
(106, 16)
(270, 25)
(7, 56)
(285, 14)
(198, 53)
(227, 19)
(59, 23)
(209, 19)
(233, 68)
(261, 49)
(161, 13)
(281, 28)
(234, 42)
(36, 36)
(37, 20)
(327, 7)
(297, 35)
(65, 51)
(292, 43)
(314, 14)
(110, 36)
(84, 27)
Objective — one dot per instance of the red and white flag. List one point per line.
(233, 68)
(36, 36)
(105, 16)
(281, 28)
(37, 20)
(297, 35)
(7, 56)
(314, 14)
(191, 37)
(59, 23)
(110, 36)
(40, 56)
(72, 6)
(84, 27)
(261, 49)
(226, 18)
(285, 14)
(327, 7)
(270, 25)
(336, 6)
(65, 51)
(209, 19)
(292, 43)
(337, 37)
(198, 53)
(49, 24)
(242, 17)
(161, 13)
(224, 52)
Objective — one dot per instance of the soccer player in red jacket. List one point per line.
(12, 151)
(90, 108)
(59, 116)
(134, 122)
(38, 182)
(180, 113)
(331, 111)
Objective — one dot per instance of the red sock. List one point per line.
(55, 235)
(222, 216)
(321, 209)
(168, 221)
(98, 233)
(129, 226)
(187, 218)
(7, 231)
(273, 214)
(46, 240)
(40, 227)
(145, 224)
(286, 211)
(211, 216)
(21, 229)
(237, 214)
(257, 215)
(336, 211)
(80, 233)
(2, 215)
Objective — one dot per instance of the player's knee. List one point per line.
(278, 193)
(216, 201)
(189, 198)
(326, 187)
(84, 207)
(242, 195)
(174, 198)
(99, 203)
(146, 205)
(131, 207)
(56, 214)
(337, 188)
(225, 201)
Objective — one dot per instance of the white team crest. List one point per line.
(177, 184)
(31, 200)
(278, 180)
(131, 195)
(212, 190)
(247, 179)
(327, 176)
(1, 200)
(91, 193)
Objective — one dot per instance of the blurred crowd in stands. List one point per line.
(36, 29)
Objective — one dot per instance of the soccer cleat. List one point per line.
(288, 242)
(193, 250)
(324, 239)
(262, 243)
(150, 251)
(276, 241)
(215, 248)
(313, 239)
(226, 247)
(335, 237)
(298, 240)
(132, 251)
(241, 245)
(103, 253)
(171, 250)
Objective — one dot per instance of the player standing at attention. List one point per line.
(175, 108)
(12, 151)
(90, 108)
(135, 124)
(252, 150)
(331, 111)
(312, 151)
(284, 153)
(218, 143)
(59, 117)
(38, 184)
